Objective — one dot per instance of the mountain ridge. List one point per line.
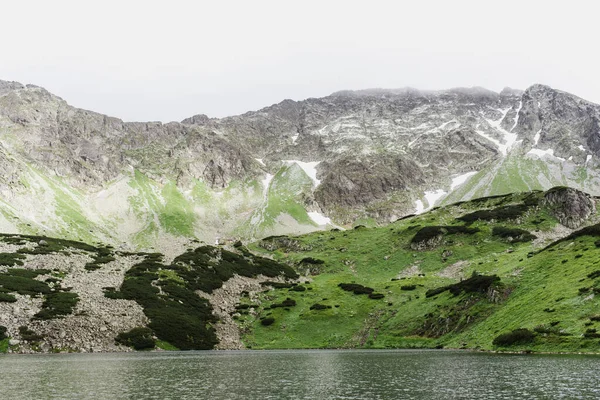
(374, 159)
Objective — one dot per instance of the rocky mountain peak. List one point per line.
(7, 86)
(198, 119)
(508, 91)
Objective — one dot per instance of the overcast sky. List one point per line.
(168, 60)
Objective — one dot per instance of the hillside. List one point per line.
(460, 276)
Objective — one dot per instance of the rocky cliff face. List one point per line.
(369, 156)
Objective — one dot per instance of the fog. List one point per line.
(144, 60)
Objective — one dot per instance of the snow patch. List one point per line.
(260, 161)
(431, 197)
(419, 207)
(517, 115)
(588, 158)
(509, 138)
(319, 218)
(459, 180)
(536, 138)
(294, 138)
(580, 147)
(541, 153)
(310, 168)
(491, 139)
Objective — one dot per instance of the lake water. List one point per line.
(299, 374)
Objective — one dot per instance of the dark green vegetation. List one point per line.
(486, 274)
(58, 301)
(168, 292)
(492, 274)
(475, 284)
(516, 337)
(57, 304)
(139, 338)
(29, 335)
(179, 317)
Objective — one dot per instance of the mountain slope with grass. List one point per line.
(512, 272)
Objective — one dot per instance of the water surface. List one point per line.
(300, 374)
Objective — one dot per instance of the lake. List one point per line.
(300, 374)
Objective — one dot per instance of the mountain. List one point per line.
(517, 272)
(355, 157)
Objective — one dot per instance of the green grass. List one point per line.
(4, 345)
(284, 197)
(533, 290)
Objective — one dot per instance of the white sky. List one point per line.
(167, 60)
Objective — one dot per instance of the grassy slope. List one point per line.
(373, 257)
(282, 197)
(522, 173)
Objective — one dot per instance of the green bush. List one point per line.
(356, 288)
(267, 321)
(594, 275)
(286, 303)
(475, 284)
(7, 298)
(430, 232)
(57, 304)
(376, 296)
(278, 285)
(3, 331)
(516, 337)
(498, 214)
(29, 335)
(310, 260)
(408, 287)
(318, 306)
(513, 235)
(11, 259)
(23, 285)
(139, 338)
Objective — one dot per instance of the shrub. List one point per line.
(7, 298)
(310, 260)
(376, 296)
(513, 235)
(286, 303)
(518, 336)
(408, 287)
(431, 232)
(298, 288)
(591, 334)
(11, 259)
(22, 285)
(139, 338)
(267, 321)
(594, 275)
(278, 285)
(475, 284)
(29, 335)
(356, 288)
(3, 332)
(498, 214)
(318, 306)
(57, 304)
